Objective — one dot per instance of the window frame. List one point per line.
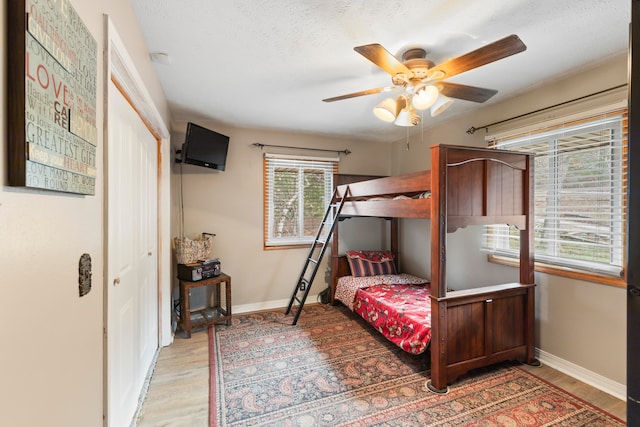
(563, 268)
(329, 166)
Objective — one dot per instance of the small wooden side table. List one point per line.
(209, 315)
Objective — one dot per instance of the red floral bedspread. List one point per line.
(401, 312)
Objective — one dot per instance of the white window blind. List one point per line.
(297, 193)
(580, 193)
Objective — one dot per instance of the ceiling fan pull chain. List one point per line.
(407, 139)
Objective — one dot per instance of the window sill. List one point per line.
(563, 271)
(291, 246)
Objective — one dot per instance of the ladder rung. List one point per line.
(328, 221)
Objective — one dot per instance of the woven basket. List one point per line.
(188, 251)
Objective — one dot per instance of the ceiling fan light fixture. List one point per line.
(416, 74)
(425, 97)
(407, 117)
(441, 104)
(387, 110)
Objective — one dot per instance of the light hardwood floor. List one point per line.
(598, 398)
(178, 394)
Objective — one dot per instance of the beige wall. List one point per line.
(579, 322)
(51, 362)
(230, 204)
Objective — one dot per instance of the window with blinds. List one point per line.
(580, 194)
(297, 192)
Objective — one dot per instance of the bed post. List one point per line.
(438, 382)
(394, 240)
(334, 262)
(527, 263)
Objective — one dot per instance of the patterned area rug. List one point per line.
(333, 369)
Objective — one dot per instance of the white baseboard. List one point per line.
(145, 388)
(268, 305)
(598, 381)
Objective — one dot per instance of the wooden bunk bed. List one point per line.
(475, 327)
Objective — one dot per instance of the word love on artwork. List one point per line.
(46, 79)
(51, 93)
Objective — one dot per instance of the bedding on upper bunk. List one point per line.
(423, 195)
(397, 305)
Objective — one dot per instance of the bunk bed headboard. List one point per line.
(342, 266)
(477, 186)
(482, 186)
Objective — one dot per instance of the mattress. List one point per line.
(398, 306)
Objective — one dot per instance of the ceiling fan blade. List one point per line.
(468, 93)
(502, 48)
(383, 59)
(361, 93)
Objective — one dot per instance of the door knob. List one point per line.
(634, 292)
(116, 281)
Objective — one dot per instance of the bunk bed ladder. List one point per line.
(316, 252)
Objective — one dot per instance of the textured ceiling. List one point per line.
(269, 63)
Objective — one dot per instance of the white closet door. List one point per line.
(132, 324)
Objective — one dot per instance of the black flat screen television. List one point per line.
(204, 147)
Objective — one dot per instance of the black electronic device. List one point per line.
(205, 147)
(199, 270)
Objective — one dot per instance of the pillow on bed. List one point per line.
(371, 263)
